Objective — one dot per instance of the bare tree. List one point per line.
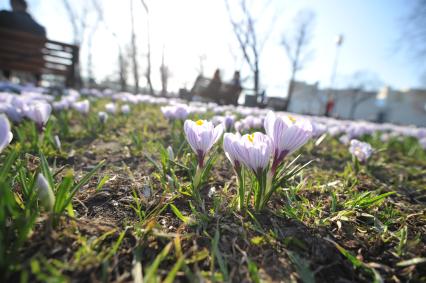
(122, 69)
(413, 35)
(91, 34)
(201, 59)
(249, 43)
(414, 30)
(78, 21)
(148, 52)
(296, 46)
(364, 85)
(79, 24)
(165, 74)
(134, 51)
(122, 60)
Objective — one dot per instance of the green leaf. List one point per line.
(151, 271)
(102, 182)
(173, 272)
(302, 267)
(218, 255)
(179, 214)
(80, 184)
(45, 170)
(253, 270)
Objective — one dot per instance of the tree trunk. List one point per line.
(148, 74)
(256, 83)
(122, 71)
(134, 50)
(290, 91)
(148, 58)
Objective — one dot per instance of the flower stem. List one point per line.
(241, 191)
(260, 191)
(196, 181)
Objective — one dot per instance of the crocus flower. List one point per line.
(103, 117)
(110, 108)
(255, 151)
(39, 112)
(61, 104)
(361, 150)
(230, 144)
(228, 122)
(422, 143)
(82, 106)
(14, 113)
(175, 112)
(5, 133)
(45, 193)
(170, 153)
(201, 136)
(287, 134)
(125, 109)
(344, 139)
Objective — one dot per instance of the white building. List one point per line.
(387, 105)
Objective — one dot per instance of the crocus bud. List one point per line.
(45, 193)
(58, 142)
(82, 106)
(103, 117)
(175, 112)
(5, 133)
(170, 152)
(125, 109)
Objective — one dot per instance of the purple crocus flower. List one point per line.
(230, 144)
(39, 112)
(111, 108)
(255, 151)
(125, 109)
(175, 112)
(6, 135)
(61, 104)
(287, 134)
(82, 106)
(228, 122)
(361, 150)
(201, 136)
(422, 142)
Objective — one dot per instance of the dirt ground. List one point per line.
(313, 230)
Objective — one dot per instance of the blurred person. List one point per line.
(216, 76)
(329, 107)
(236, 79)
(20, 20)
(234, 88)
(215, 83)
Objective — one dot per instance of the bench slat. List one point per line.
(21, 51)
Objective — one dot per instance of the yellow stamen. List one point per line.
(292, 119)
(199, 122)
(250, 138)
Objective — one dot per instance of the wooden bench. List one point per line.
(21, 51)
(221, 93)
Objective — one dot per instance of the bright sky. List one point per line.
(189, 29)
